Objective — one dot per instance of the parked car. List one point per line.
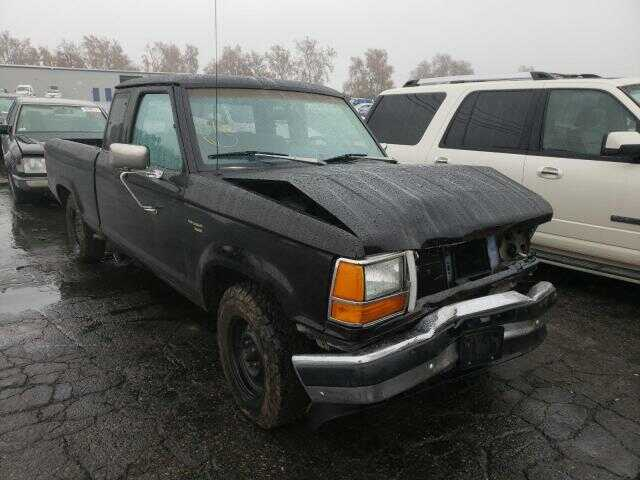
(30, 122)
(355, 101)
(573, 139)
(25, 91)
(363, 109)
(336, 275)
(6, 101)
(53, 92)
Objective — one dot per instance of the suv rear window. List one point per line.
(403, 119)
(491, 120)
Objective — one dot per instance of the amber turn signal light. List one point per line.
(349, 282)
(363, 313)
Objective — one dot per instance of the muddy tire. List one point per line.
(19, 197)
(255, 344)
(84, 245)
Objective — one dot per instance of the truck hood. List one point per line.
(386, 207)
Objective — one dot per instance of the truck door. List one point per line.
(587, 190)
(490, 128)
(156, 127)
(151, 234)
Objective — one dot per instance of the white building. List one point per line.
(82, 84)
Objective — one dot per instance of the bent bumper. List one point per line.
(429, 350)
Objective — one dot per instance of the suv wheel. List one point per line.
(84, 245)
(255, 345)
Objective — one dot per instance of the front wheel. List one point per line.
(82, 241)
(255, 345)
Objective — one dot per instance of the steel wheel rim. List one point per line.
(246, 359)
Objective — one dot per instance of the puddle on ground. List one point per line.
(20, 299)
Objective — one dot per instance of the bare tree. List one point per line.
(370, 76)
(280, 63)
(314, 63)
(442, 65)
(104, 53)
(234, 61)
(526, 68)
(167, 57)
(69, 54)
(46, 57)
(17, 51)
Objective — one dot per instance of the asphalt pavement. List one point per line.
(105, 372)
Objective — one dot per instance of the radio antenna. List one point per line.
(215, 120)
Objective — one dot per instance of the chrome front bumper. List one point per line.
(428, 350)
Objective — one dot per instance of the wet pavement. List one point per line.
(105, 372)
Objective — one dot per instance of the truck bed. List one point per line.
(71, 166)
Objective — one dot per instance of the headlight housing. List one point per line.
(371, 290)
(515, 244)
(32, 165)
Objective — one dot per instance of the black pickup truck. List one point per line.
(337, 275)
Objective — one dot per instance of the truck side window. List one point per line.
(403, 119)
(155, 129)
(577, 121)
(491, 121)
(115, 125)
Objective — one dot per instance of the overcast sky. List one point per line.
(496, 36)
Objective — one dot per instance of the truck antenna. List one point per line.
(215, 121)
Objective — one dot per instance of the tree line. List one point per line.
(308, 61)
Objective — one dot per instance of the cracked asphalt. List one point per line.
(105, 373)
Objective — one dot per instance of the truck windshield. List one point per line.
(633, 91)
(290, 123)
(60, 118)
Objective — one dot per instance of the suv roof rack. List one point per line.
(494, 78)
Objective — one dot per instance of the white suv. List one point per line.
(574, 139)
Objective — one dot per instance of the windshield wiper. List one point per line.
(259, 153)
(345, 157)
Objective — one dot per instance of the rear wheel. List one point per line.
(255, 345)
(82, 241)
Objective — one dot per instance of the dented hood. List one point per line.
(396, 207)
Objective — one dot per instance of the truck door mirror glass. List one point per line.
(132, 157)
(623, 143)
(5, 129)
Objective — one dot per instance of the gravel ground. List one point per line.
(105, 372)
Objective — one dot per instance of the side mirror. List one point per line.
(5, 129)
(622, 143)
(132, 157)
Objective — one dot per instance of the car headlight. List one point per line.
(33, 165)
(369, 290)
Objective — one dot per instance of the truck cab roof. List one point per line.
(228, 81)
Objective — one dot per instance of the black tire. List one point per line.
(247, 315)
(83, 244)
(19, 196)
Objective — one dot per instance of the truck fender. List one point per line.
(221, 266)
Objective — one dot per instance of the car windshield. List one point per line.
(289, 123)
(60, 118)
(5, 104)
(634, 92)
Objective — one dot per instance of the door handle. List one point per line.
(550, 172)
(441, 160)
